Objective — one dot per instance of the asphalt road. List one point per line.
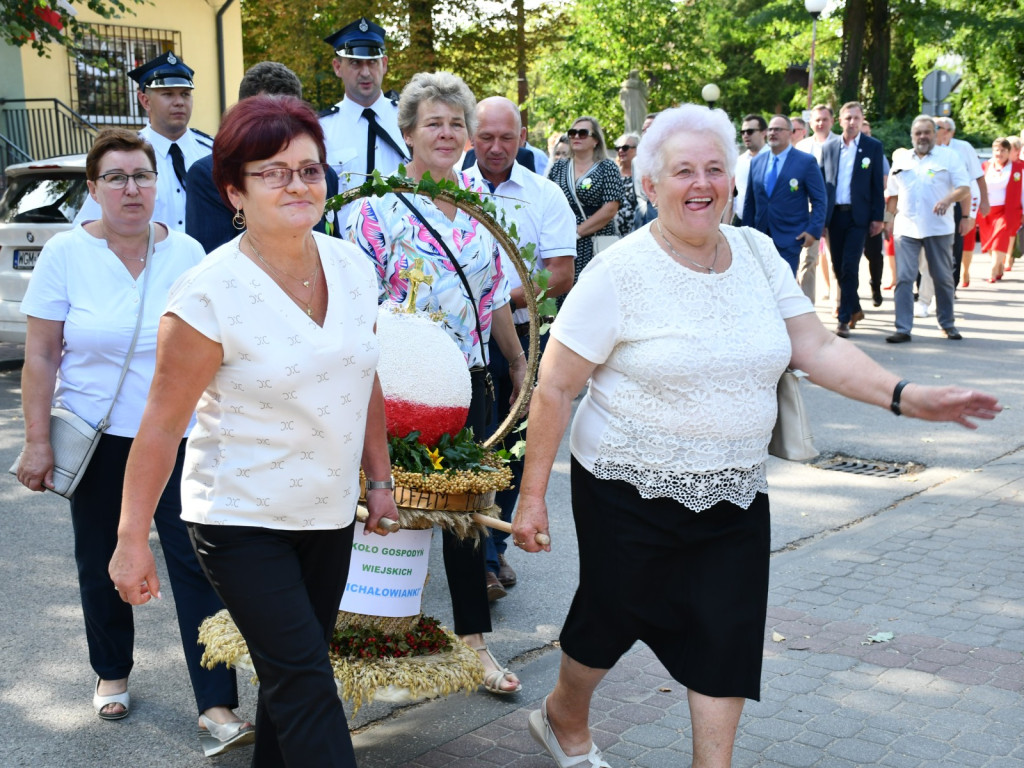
(46, 684)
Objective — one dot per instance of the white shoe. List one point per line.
(920, 309)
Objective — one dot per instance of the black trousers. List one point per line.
(109, 624)
(464, 559)
(283, 589)
(846, 244)
(873, 247)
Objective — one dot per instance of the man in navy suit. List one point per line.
(208, 219)
(856, 205)
(786, 194)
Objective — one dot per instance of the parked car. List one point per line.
(42, 199)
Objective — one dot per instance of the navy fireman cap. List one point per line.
(165, 71)
(362, 39)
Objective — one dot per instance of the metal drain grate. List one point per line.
(868, 467)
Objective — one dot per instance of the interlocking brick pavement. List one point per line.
(941, 571)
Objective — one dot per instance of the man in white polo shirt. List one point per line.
(924, 184)
(543, 217)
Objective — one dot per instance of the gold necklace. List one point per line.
(316, 274)
(106, 239)
(710, 269)
(305, 283)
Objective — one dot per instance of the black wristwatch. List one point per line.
(894, 406)
(380, 485)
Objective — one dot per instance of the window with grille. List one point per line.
(101, 90)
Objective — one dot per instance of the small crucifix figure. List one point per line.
(415, 276)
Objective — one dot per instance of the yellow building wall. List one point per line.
(195, 20)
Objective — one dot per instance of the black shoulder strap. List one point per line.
(202, 135)
(458, 268)
(329, 111)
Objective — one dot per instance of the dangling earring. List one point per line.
(238, 222)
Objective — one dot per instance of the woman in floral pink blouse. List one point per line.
(436, 115)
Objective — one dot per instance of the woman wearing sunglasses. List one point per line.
(592, 185)
(625, 153)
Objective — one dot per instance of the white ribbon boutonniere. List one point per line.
(1016, 176)
(865, 163)
(794, 185)
(586, 184)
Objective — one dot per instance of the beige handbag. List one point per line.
(791, 437)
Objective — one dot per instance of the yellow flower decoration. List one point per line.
(436, 457)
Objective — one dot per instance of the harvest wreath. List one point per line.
(442, 476)
(369, 664)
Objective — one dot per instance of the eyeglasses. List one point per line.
(118, 180)
(581, 132)
(748, 131)
(275, 178)
(776, 129)
(624, 147)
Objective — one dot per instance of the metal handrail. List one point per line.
(10, 146)
(39, 132)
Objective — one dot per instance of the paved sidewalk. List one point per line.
(942, 571)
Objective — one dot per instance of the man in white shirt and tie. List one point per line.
(165, 92)
(361, 131)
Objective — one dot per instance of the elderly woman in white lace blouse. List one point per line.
(683, 329)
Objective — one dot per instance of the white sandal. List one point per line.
(100, 702)
(218, 738)
(541, 731)
(494, 679)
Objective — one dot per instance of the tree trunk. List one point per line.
(854, 27)
(879, 50)
(523, 85)
(421, 34)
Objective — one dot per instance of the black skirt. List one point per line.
(693, 587)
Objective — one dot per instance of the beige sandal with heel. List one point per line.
(494, 678)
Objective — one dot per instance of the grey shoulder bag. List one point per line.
(72, 438)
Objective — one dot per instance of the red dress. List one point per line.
(1000, 226)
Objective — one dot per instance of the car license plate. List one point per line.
(25, 258)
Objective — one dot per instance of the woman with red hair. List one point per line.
(273, 335)
(1006, 202)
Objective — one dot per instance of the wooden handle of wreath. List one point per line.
(500, 525)
(389, 525)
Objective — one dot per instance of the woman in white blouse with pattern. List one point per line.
(683, 330)
(273, 335)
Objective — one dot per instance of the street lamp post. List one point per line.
(814, 7)
(710, 93)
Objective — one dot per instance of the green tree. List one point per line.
(41, 22)
(605, 39)
(473, 40)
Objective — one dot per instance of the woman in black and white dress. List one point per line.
(592, 184)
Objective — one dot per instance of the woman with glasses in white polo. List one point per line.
(592, 184)
(82, 306)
